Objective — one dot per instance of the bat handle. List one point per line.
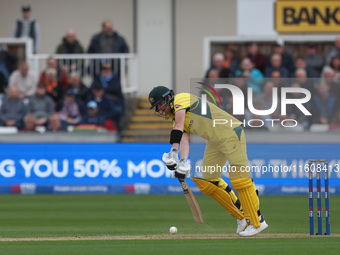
(184, 185)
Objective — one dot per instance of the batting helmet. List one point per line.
(157, 94)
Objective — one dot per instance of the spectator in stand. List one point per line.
(13, 109)
(293, 112)
(70, 45)
(111, 83)
(218, 64)
(324, 105)
(108, 41)
(70, 112)
(327, 75)
(41, 105)
(335, 51)
(275, 77)
(212, 77)
(254, 76)
(279, 83)
(7, 61)
(256, 56)
(314, 61)
(302, 79)
(53, 88)
(106, 105)
(276, 65)
(93, 115)
(300, 63)
(231, 61)
(27, 27)
(330, 77)
(29, 123)
(286, 60)
(24, 79)
(335, 65)
(54, 124)
(79, 89)
(61, 73)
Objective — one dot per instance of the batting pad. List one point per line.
(224, 186)
(219, 195)
(248, 197)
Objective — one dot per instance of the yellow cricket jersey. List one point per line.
(215, 126)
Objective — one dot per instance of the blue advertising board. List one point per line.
(138, 168)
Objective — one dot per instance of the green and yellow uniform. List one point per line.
(224, 142)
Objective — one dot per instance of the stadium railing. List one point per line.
(88, 64)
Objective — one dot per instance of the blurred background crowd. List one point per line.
(318, 73)
(58, 99)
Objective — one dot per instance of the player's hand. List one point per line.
(171, 159)
(183, 169)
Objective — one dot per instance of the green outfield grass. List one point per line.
(175, 247)
(113, 215)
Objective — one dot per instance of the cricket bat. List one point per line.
(195, 208)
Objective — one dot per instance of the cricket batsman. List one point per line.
(223, 142)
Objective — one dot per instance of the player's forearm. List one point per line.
(184, 149)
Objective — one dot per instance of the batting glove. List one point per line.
(183, 169)
(171, 159)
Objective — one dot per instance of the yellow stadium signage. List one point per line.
(303, 16)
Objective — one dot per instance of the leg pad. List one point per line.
(220, 195)
(250, 203)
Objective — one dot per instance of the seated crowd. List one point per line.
(58, 100)
(317, 73)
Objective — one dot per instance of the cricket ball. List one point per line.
(173, 230)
